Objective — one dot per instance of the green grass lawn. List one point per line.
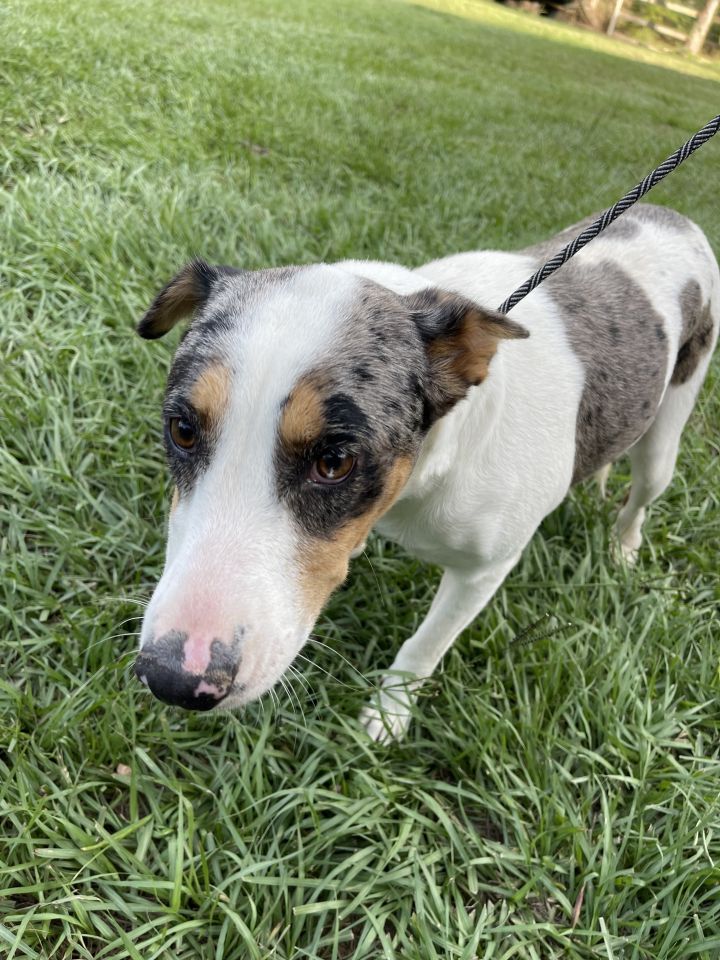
(557, 796)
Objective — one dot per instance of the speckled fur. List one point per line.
(620, 337)
(463, 431)
(610, 324)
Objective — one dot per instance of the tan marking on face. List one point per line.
(303, 419)
(175, 500)
(210, 394)
(324, 563)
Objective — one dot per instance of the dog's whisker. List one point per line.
(319, 643)
(286, 690)
(383, 599)
(302, 680)
(306, 692)
(295, 674)
(291, 694)
(327, 673)
(115, 636)
(137, 600)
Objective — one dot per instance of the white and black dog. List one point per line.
(308, 405)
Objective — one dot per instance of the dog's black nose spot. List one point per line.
(178, 688)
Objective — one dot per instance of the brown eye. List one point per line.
(333, 466)
(182, 433)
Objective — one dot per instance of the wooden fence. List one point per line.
(671, 33)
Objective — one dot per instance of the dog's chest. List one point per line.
(423, 531)
(461, 526)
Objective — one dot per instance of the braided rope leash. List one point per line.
(612, 213)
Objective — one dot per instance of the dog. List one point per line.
(307, 405)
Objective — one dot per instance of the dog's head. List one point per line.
(295, 408)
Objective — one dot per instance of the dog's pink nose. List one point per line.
(189, 672)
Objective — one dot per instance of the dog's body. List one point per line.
(398, 405)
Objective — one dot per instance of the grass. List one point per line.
(557, 796)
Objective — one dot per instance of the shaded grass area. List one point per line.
(557, 795)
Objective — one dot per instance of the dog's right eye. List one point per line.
(333, 466)
(182, 434)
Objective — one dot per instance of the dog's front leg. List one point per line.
(460, 597)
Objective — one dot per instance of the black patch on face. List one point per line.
(211, 326)
(624, 366)
(344, 416)
(362, 374)
(373, 399)
(320, 510)
(186, 466)
(697, 332)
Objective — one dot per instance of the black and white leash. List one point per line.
(612, 213)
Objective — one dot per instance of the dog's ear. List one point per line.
(460, 340)
(188, 290)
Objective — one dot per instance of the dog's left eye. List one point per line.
(332, 466)
(182, 433)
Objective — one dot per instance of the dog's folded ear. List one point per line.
(460, 339)
(188, 290)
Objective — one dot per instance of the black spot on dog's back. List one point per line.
(624, 363)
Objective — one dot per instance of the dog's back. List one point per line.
(639, 308)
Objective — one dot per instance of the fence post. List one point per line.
(615, 15)
(701, 26)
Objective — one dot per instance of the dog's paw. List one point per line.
(388, 714)
(628, 554)
(627, 540)
(625, 550)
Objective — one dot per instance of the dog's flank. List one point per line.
(307, 405)
(620, 398)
